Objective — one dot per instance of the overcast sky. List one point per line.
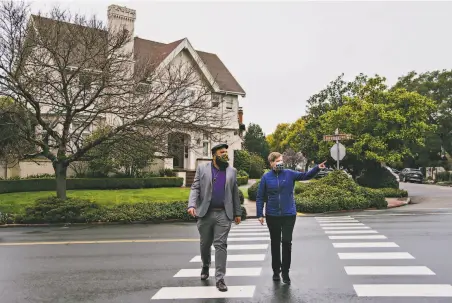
(283, 52)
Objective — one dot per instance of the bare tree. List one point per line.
(74, 75)
(292, 158)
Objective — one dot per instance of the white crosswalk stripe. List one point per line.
(235, 258)
(231, 272)
(365, 245)
(330, 226)
(252, 241)
(204, 292)
(246, 247)
(350, 232)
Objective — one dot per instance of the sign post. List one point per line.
(338, 150)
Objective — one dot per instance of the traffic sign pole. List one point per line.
(337, 143)
(340, 151)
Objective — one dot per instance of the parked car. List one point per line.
(323, 173)
(411, 174)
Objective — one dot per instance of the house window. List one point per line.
(229, 103)
(216, 100)
(187, 96)
(186, 151)
(205, 149)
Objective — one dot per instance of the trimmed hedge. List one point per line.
(241, 197)
(336, 192)
(378, 177)
(375, 197)
(88, 183)
(54, 210)
(242, 181)
(252, 191)
(393, 192)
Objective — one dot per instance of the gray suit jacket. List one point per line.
(201, 192)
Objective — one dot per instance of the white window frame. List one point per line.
(229, 103)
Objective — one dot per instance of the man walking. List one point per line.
(214, 200)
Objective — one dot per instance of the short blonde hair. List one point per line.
(273, 156)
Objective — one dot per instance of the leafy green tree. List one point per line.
(437, 86)
(255, 141)
(386, 124)
(277, 141)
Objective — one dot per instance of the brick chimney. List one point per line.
(240, 115)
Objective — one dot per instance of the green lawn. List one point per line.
(16, 202)
(245, 192)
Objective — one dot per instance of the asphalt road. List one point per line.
(37, 268)
(425, 196)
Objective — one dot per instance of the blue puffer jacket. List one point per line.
(278, 190)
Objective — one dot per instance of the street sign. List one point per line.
(338, 152)
(338, 137)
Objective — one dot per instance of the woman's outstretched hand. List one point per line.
(322, 165)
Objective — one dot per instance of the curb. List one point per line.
(404, 203)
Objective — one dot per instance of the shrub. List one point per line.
(375, 197)
(54, 210)
(257, 166)
(393, 192)
(167, 172)
(302, 187)
(242, 173)
(242, 160)
(444, 176)
(338, 178)
(378, 177)
(241, 197)
(95, 183)
(242, 181)
(252, 191)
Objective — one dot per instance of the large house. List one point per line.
(183, 158)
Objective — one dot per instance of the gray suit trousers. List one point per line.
(214, 229)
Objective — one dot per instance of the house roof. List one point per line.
(156, 52)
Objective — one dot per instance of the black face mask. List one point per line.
(222, 161)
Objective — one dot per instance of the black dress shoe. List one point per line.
(222, 286)
(205, 273)
(276, 277)
(286, 278)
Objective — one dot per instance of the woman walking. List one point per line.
(276, 189)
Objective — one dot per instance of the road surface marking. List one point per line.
(364, 244)
(204, 292)
(240, 239)
(375, 256)
(98, 242)
(338, 221)
(351, 232)
(403, 290)
(342, 224)
(237, 230)
(334, 217)
(231, 272)
(363, 237)
(387, 270)
(235, 258)
(246, 246)
(346, 227)
(248, 234)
